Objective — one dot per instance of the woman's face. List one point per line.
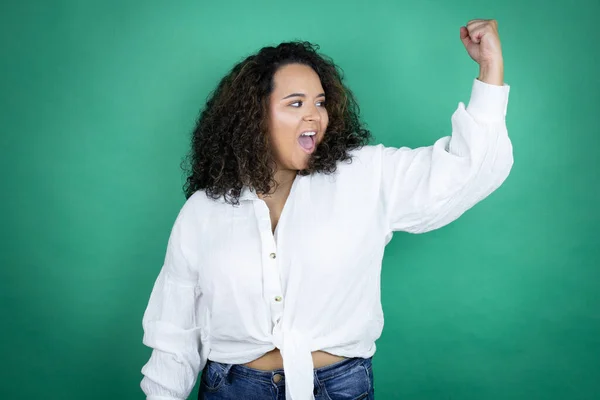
(296, 108)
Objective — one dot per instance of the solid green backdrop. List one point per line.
(98, 99)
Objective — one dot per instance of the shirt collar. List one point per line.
(248, 193)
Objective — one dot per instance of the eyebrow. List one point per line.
(300, 95)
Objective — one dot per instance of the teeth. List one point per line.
(309, 134)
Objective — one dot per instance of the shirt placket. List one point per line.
(272, 291)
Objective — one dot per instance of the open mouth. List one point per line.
(307, 141)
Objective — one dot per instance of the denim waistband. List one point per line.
(322, 374)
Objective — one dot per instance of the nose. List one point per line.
(312, 113)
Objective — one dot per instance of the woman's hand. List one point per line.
(480, 38)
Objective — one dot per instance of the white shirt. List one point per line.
(227, 291)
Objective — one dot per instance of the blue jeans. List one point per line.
(349, 379)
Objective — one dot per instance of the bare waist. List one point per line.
(273, 360)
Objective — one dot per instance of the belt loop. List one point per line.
(316, 384)
(226, 369)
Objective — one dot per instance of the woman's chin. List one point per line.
(297, 162)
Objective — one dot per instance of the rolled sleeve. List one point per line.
(488, 103)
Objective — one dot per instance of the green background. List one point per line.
(98, 99)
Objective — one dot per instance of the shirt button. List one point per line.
(272, 255)
(278, 298)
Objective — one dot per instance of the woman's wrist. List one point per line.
(492, 74)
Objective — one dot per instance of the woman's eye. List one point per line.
(300, 103)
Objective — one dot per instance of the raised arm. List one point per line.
(428, 187)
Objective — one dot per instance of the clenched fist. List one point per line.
(480, 38)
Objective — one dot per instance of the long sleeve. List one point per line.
(428, 187)
(174, 321)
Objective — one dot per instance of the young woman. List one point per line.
(270, 283)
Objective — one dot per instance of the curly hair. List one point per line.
(230, 146)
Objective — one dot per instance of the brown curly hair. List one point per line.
(230, 145)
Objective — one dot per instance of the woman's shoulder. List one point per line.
(363, 164)
(364, 156)
(197, 206)
(200, 201)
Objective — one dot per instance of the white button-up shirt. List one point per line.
(230, 292)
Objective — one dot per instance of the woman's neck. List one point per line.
(284, 180)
